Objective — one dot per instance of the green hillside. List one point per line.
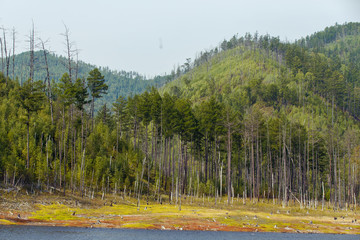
(312, 93)
(121, 83)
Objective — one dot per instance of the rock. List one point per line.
(162, 228)
(180, 229)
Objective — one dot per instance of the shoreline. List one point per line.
(197, 215)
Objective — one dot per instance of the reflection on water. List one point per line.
(60, 233)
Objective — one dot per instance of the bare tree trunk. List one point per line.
(6, 56)
(229, 159)
(27, 144)
(48, 81)
(285, 168)
(64, 150)
(69, 50)
(13, 58)
(2, 55)
(32, 49)
(257, 166)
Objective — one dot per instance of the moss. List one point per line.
(138, 225)
(6, 222)
(53, 212)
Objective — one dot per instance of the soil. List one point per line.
(54, 209)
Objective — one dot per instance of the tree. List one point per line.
(119, 108)
(31, 98)
(97, 87)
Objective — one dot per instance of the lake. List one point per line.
(67, 233)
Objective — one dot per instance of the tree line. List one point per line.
(162, 145)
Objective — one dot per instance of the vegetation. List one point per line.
(196, 214)
(257, 119)
(120, 83)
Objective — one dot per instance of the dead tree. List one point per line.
(13, 58)
(69, 51)
(47, 80)
(32, 49)
(7, 58)
(2, 55)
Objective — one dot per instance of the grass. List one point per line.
(6, 222)
(195, 214)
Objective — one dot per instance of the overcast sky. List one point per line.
(153, 36)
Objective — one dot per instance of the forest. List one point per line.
(252, 118)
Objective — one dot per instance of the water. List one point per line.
(67, 233)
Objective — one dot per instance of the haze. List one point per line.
(153, 37)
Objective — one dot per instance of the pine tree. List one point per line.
(97, 87)
(31, 97)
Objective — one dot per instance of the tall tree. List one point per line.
(97, 87)
(31, 98)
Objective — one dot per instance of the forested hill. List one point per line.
(121, 83)
(295, 106)
(325, 64)
(254, 118)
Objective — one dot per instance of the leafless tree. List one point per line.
(13, 58)
(47, 80)
(32, 51)
(69, 50)
(7, 58)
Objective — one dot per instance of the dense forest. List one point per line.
(253, 118)
(49, 65)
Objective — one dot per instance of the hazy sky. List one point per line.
(153, 36)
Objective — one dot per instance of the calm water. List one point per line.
(59, 233)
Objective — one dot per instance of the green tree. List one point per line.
(31, 97)
(97, 87)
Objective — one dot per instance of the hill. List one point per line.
(299, 107)
(121, 83)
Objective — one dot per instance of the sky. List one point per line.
(152, 37)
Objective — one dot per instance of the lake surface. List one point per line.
(60, 233)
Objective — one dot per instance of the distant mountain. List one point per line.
(121, 83)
